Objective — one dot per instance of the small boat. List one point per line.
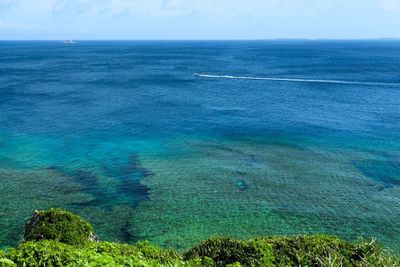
(67, 42)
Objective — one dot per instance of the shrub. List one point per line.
(140, 250)
(322, 250)
(373, 254)
(45, 253)
(225, 251)
(155, 253)
(53, 253)
(305, 250)
(4, 262)
(59, 225)
(59, 238)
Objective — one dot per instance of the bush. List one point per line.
(307, 250)
(288, 251)
(59, 238)
(155, 253)
(322, 250)
(45, 253)
(4, 262)
(53, 253)
(140, 250)
(224, 251)
(59, 225)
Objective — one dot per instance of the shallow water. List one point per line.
(124, 134)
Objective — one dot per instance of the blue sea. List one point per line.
(177, 141)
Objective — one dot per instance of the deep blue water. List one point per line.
(92, 118)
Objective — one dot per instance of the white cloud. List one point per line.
(391, 5)
(11, 25)
(78, 7)
(133, 19)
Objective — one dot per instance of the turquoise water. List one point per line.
(278, 137)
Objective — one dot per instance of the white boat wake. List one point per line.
(290, 79)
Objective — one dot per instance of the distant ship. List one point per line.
(67, 42)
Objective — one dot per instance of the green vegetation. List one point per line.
(308, 250)
(53, 253)
(60, 238)
(224, 251)
(322, 250)
(59, 225)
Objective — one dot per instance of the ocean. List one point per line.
(177, 141)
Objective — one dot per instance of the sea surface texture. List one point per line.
(174, 142)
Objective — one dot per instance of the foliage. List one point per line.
(270, 251)
(224, 251)
(141, 250)
(4, 262)
(306, 250)
(155, 253)
(59, 225)
(53, 253)
(323, 250)
(73, 249)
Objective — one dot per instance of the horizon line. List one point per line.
(211, 39)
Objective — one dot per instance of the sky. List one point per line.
(198, 19)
